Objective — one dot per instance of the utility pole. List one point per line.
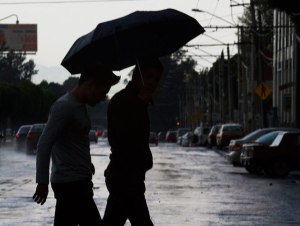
(261, 74)
(221, 86)
(230, 105)
(239, 81)
(214, 95)
(253, 65)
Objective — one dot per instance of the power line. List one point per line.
(216, 27)
(53, 2)
(221, 44)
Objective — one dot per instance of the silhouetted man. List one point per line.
(128, 136)
(66, 140)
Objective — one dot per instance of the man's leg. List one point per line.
(65, 214)
(138, 210)
(115, 212)
(88, 213)
(75, 204)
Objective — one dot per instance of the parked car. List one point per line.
(235, 145)
(161, 136)
(180, 132)
(21, 136)
(104, 133)
(227, 132)
(153, 139)
(171, 136)
(187, 139)
(33, 137)
(93, 136)
(201, 133)
(211, 137)
(276, 153)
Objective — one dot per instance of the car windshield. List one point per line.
(267, 138)
(255, 134)
(37, 128)
(24, 129)
(232, 128)
(215, 129)
(182, 131)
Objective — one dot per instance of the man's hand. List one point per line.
(41, 193)
(93, 169)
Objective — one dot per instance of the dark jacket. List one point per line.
(128, 134)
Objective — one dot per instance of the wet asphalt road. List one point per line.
(186, 187)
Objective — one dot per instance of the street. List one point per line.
(186, 187)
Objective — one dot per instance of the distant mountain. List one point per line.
(57, 74)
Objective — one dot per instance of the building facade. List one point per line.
(284, 71)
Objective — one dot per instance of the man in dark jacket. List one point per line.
(128, 136)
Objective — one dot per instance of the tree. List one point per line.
(23, 103)
(13, 67)
(171, 91)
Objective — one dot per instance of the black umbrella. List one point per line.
(118, 43)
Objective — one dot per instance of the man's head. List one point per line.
(95, 82)
(146, 76)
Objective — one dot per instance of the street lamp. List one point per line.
(15, 15)
(202, 11)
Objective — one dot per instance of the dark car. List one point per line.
(171, 136)
(93, 136)
(235, 145)
(21, 136)
(276, 154)
(104, 133)
(33, 137)
(161, 136)
(153, 139)
(211, 137)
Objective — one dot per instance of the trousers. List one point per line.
(126, 200)
(75, 204)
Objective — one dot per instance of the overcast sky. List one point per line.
(61, 22)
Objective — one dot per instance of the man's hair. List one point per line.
(145, 63)
(99, 73)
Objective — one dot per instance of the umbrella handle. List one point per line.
(138, 65)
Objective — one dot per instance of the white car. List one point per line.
(201, 133)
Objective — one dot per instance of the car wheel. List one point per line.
(278, 168)
(235, 164)
(257, 170)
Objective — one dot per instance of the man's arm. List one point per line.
(41, 193)
(56, 122)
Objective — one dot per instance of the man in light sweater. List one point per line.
(65, 140)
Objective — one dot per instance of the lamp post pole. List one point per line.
(15, 15)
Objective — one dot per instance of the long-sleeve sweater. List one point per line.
(65, 139)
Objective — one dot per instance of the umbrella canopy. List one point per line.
(118, 43)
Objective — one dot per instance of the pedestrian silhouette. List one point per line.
(66, 140)
(130, 158)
